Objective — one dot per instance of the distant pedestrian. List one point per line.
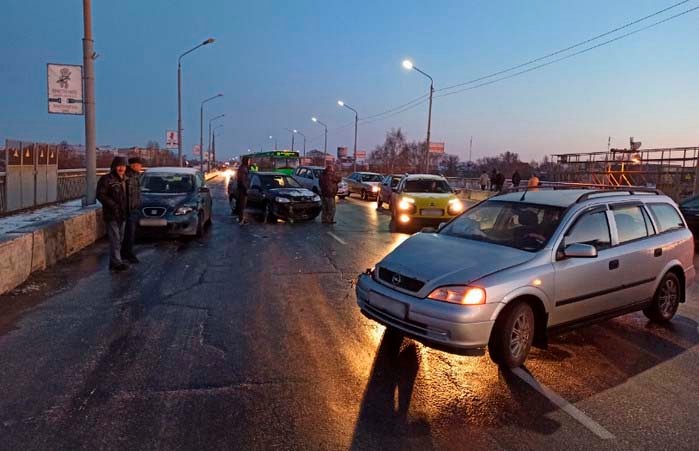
(533, 183)
(243, 180)
(484, 180)
(499, 181)
(328, 190)
(111, 192)
(493, 180)
(133, 195)
(516, 179)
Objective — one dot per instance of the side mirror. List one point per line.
(204, 189)
(579, 250)
(441, 226)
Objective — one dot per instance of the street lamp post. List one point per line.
(179, 97)
(208, 169)
(213, 141)
(275, 141)
(89, 83)
(201, 130)
(304, 142)
(293, 132)
(356, 120)
(409, 65)
(325, 146)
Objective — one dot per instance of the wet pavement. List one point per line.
(250, 338)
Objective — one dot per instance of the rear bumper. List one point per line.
(436, 323)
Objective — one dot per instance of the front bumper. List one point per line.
(437, 323)
(174, 225)
(297, 210)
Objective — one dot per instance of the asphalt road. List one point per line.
(250, 338)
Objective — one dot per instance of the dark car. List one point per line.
(280, 196)
(174, 201)
(690, 210)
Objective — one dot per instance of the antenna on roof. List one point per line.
(521, 199)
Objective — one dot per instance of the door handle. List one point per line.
(658, 252)
(613, 264)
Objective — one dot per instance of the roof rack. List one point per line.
(630, 192)
(596, 189)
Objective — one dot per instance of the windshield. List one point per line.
(523, 226)
(167, 183)
(279, 181)
(427, 186)
(370, 178)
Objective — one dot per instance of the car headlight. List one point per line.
(375, 189)
(184, 210)
(455, 207)
(406, 203)
(316, 198)
(282, 200)
(463, 295)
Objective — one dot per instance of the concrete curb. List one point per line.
(39, 246)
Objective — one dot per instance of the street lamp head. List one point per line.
(208, 41)
(341, 103)
(295, 131)
(314, 119)
(219, 94)
(271, 137)
(408, 64)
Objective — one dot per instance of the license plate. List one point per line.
(395, 308)
(152, 222)
(432, 212)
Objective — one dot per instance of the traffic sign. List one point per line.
(171, 139)
(196, 150)
(436, 147)
(65, 88)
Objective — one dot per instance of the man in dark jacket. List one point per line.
(133, 195)
(243, 180)
(328, 190)
(111, 192)
(516, 178)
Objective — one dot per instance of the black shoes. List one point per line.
(119, 268)
(131, 259)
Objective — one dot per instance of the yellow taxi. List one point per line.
(423, 200)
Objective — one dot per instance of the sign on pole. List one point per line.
(361, 155)
(196, 150)
(65, 88)
(436, 147)
(342, 152)
(171, 139)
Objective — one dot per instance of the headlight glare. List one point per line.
(282, 200)
(406, 203)
(179, 211)
(455, 207)
(316, 198)
(375, 189)
(463, 295)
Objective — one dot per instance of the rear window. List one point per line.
(666, 217)
(631, 223)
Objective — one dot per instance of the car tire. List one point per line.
(269, 217)
(341, 197)
(200, 225)
(513, 335)
(666, 299)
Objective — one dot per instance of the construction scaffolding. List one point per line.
(671, 170)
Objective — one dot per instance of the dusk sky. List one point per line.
(281, 62)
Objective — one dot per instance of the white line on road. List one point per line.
(564, 405)
(337, 238)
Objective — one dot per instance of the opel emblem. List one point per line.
(396, 279)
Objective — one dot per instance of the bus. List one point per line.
(282, 161)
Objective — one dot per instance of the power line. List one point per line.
(558, 52)
(579, 52)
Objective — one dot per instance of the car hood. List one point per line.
(166, 200)
(291, 193)
(431, 257)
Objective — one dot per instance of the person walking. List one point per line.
(499, 181)
(493, 180)
(111, 192)
(516, 179)
(243, 180)
(484, 180)
(328, 190)
(133, 195)
(533, 183)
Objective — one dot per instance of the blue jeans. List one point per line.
(115, 232)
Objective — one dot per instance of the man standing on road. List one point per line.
(111, 192)
(328, 190)
(484, 180)
(516, 179)
(243, 180)
(133, 195)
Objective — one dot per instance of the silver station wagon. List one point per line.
(519, 266)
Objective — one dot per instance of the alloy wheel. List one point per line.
(520, 336)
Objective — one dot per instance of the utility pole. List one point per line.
(470, 150)
(89, 105)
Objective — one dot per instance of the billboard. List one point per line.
(64, 88)
(196, 150)
(171, 141)
(342, 152)
(436, 147)
(361, 155)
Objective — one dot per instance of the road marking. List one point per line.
(564, 405)
(337, 238)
